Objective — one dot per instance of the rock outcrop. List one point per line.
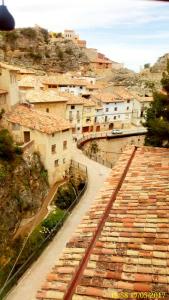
(33, 47)
(23, 186)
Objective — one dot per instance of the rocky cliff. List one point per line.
(33, 47)
(22, 189)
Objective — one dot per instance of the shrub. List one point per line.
(69, 51)
(3, 173)
(65, 196)
(44, 175)
(29, 33)
(53, 219)
(7, 149)
(11, 36)
(18, 150)
(60, 54)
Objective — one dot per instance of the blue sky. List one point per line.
(133, 32)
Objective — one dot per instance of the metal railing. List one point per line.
(106, 134)
(99, 159)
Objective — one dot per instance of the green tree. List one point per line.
(94, 148)
(157, 116)
(7, 148)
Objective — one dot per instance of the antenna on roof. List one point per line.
(7, 22)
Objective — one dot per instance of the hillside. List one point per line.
(23, 186)
(32, 47)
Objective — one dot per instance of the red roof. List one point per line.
(122, 244)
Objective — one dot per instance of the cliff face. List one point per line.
(161, 64)
(32, 47)
(22, 189)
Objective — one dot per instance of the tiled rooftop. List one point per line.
(102, 60)
(9, 67)
(31, 81)
(122, 92)
(38, 96)
(106, 97)
(28, 117)
(122, 243)
(3, 92)
(64, 80)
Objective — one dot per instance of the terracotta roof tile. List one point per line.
(131, 252)
(45, 122)
(64, 80)
(38, 96)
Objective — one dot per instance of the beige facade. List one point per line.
(8, 82)
(88, 116)
(74, 114)
(54, 144)
(57, 108)
(48, 101)
(3, 100)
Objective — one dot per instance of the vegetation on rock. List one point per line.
(157, 119)
(33, 47)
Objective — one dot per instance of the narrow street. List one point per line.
(34, 277)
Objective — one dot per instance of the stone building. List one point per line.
(51, 135)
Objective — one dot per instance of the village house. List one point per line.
(140, 106)
(101, 63)
(50, 134)
(72, 36)
(65, 84)
(3, 100)
(48, 101)
(8, 82)
(88, 116)
(74, 112)
(99, 119)
(24, 73)
(29, 83)
(117, 108)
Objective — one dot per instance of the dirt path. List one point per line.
(37, 219)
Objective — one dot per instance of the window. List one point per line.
(115, 117)
(53, 134)
(107, 109)
(70, 116)
(56, 163)
(64, 160)
(15, 126)
(88, 119)
(128, 101)
(47, 110)
(95, 119)
(106, 119)
(64, 145)
(53, 149)
(72, 107)
(119, 116)
(78, 115)
(115, 109)
(26, 136)
(127, 107)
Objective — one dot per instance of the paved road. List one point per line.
(32, 280)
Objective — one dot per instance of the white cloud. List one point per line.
(99, 16)
(56, 15)
(133, 57)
